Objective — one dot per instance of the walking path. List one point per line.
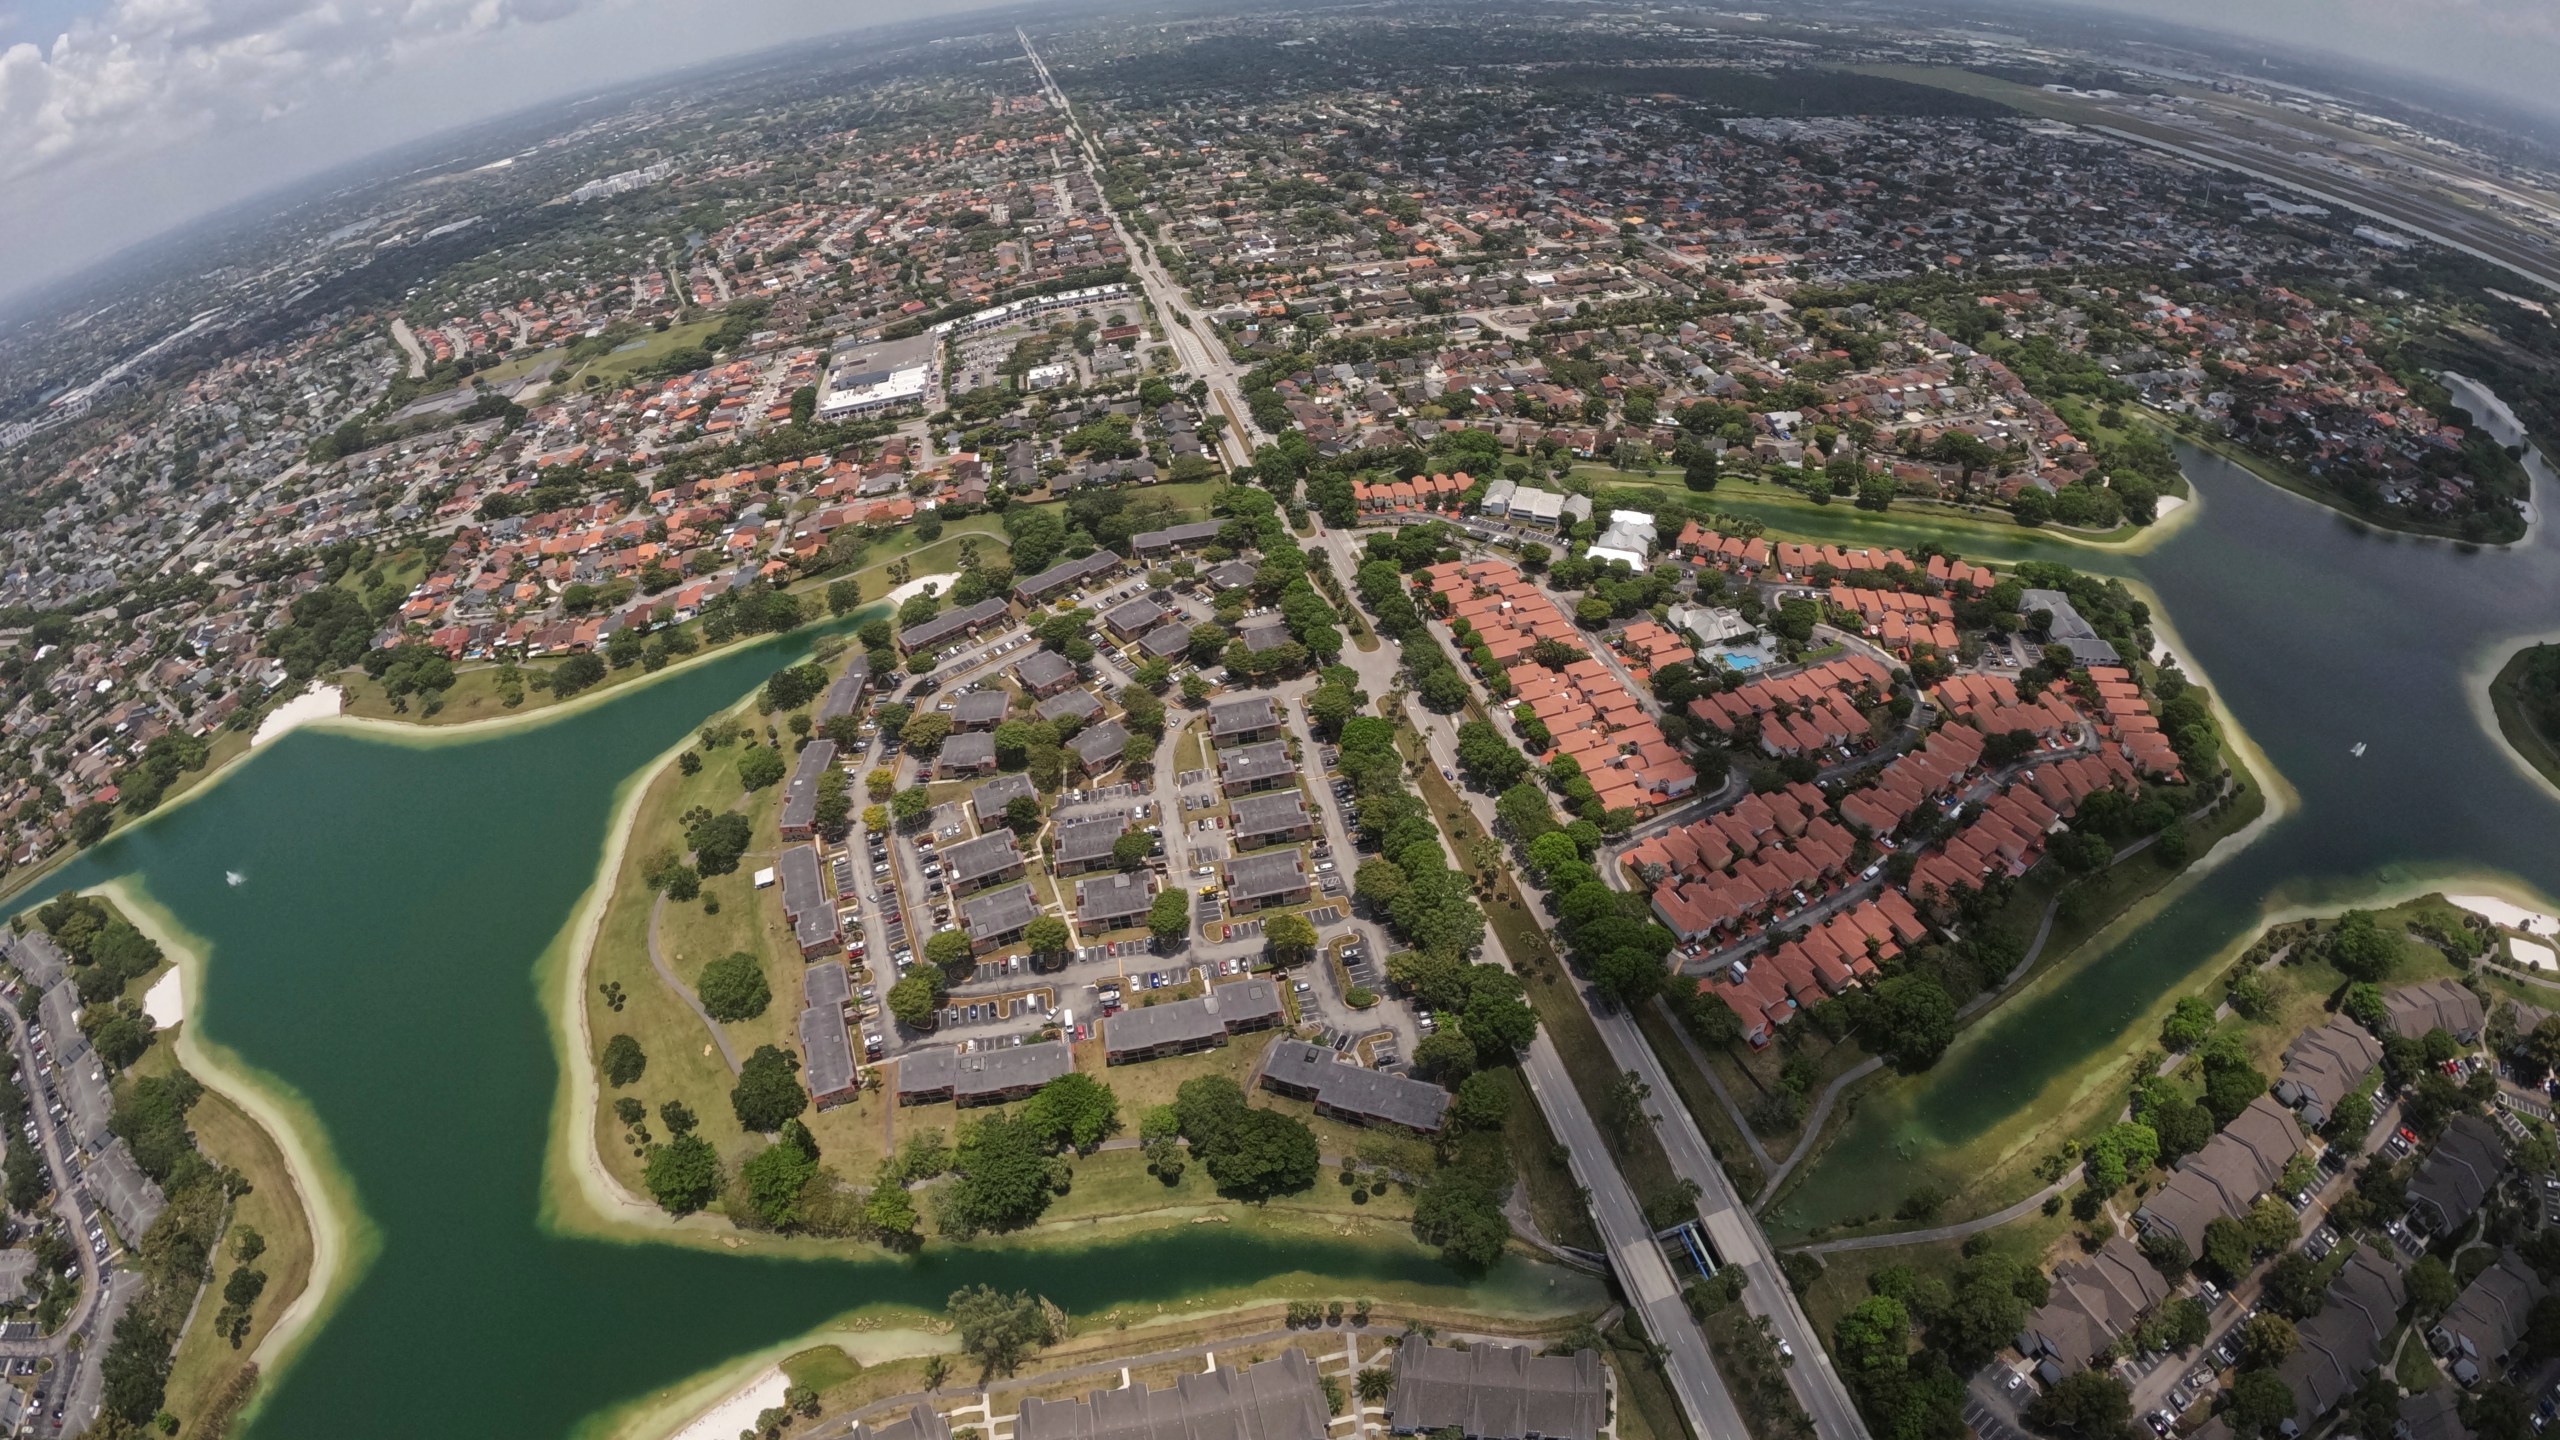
(684, 992)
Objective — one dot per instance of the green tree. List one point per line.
(2260, 1403)
(2084, 1405)
(950, 952)
(916, 996)
(760, 766)
(1000, 1331)
(1169, 916)
(1290, 938)
(1045, 937)
(2187, 1024)
(1074, 1109)
(733, 987)
(768, 1090)
(777, 1175)
(2360, 949)
(1911, 1020)
(683, 1175)
(623, 1062)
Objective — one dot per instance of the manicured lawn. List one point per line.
(618, 367)
(205, 1361)
(820, 1367)
(1844, 1276)
(1740, 1165)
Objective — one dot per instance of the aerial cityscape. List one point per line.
(1503, 721)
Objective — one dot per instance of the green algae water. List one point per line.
(2318, 635)
(378, 955)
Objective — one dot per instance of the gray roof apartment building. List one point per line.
(2322, 1065)
(1153, 1031)
(1077, 705)
(1084, 844)
(805, 901)
(800, 792)
(971, 752)
(826, 1055)
(2488, 1318)
(987, 802)
(1113, 902)
(2435, 1005)
(979, 710)
(1497, 1392)
(916, 1422)
(1134, 617)
(2091, 1303)
(931, 1074)
(1166, 642)
(1353, 1092)
(1269, 819)
(2068, 629)
(951, 625)
(1253, 717)
(999, 916)
(1278, 1399)
(127, 1193)
(2232, 1170)
(2458, 1174)
(2336, 1347)
(976, 864)
(847, 689)
(1097, 748)
(1274, 877)
(1248, 768)
(1175, 537)
(1044, 673)
(1064, 576)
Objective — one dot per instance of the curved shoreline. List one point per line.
(2488, 669)
(343, 1241)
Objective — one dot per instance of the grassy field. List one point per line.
(1844, 1276)
(2537, 749)
(205, 1361)
(617, 367)
(1776, 504)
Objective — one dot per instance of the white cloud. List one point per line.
(143, 75)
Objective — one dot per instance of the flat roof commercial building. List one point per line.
(935, 1073)
(876, 378)
(1279, 1399)
(1497, 1392)
(1353, 1092)
(800, 792)
(1153, 1031)
(805, 901)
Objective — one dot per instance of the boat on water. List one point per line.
(2358, 751)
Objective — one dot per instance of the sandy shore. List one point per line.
(2168, 505)
(2507, 913)
(913, 588)
(166, 1001)
(320, 702)
(738, 1411)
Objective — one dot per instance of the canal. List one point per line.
(377, 958)
(2317, 634)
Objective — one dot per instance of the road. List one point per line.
(1198, 355)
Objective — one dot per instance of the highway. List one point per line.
(1196, 353)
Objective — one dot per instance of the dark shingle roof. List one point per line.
(1497, 1392)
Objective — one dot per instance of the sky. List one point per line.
(121, 119)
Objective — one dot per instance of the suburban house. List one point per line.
(1249, 768)
(1278, 1399)
(800, 792)
(998, 917)
(1269, 819)
(1352, 1092)
(1276, 877)
(806, 903)
(931, 1074)
(976, 864)
(1151, 1032)
(1113, 902)
(1497, 1392)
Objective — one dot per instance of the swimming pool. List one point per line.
(1735, 661)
